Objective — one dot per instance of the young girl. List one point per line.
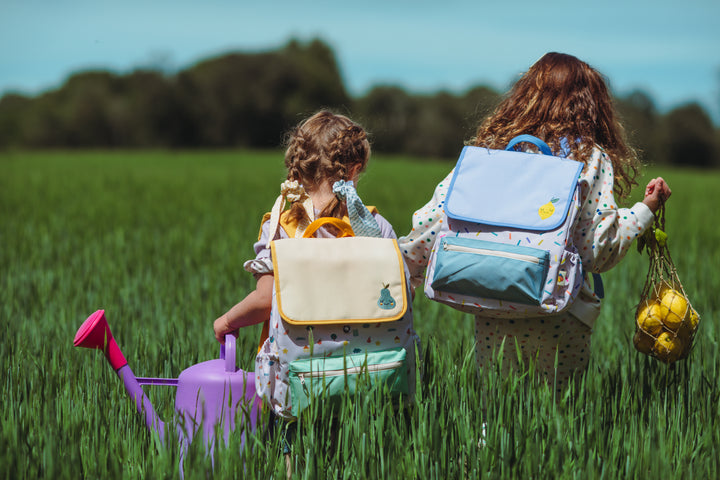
(322, 150)
(324, 158)
(566, 103)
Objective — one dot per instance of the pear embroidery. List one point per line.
(547, 210)
(386, 301)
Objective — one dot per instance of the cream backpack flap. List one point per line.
(341, 310)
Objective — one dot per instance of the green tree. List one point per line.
(689, 137)
(13, 107)
(387, 113)
(423, 125)
(641, 121)
(251, 99)
(438, 128)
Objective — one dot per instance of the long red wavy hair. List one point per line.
(561, 97)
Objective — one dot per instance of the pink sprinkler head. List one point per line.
(95, 333)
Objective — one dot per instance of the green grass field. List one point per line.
(158, 239)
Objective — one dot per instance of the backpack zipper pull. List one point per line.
(302, 378)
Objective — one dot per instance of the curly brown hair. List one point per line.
(322, 148)
(561, 97)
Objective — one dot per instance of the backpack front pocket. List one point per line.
(332, 376)
(481, 268)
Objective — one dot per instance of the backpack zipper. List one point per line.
(350, 371)
(492, 253)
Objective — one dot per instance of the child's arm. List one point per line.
(605, 232)
(253, 309)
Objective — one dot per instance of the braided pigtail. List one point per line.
(344, 151)
(295, 163)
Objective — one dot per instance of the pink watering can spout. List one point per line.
(95, 333)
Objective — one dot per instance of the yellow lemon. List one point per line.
(668, 347)
(662, 289)
(693, 319)
(547, 210)
(649, 318)
(643, 342)
(673, 308)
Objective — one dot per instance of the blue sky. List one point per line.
(670, 49)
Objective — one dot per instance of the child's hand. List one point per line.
(222, 328)
(656, 193)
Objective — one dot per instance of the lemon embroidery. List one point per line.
(547, 210)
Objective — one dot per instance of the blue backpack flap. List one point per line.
(506, 188)
(506, 249)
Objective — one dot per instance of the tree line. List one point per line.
(252, 99)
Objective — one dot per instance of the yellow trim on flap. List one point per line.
(292, 321)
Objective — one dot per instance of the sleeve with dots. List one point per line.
(604, 232)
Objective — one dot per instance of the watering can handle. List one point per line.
(227, 353)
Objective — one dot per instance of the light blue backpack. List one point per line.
(506, 249)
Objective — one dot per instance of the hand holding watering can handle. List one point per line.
(227, 353)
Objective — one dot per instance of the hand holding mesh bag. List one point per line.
(665, 322)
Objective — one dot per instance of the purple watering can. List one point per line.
(208, 394)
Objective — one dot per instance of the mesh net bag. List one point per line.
(665, 322)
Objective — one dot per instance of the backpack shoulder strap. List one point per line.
(345, 230)
(290, 225)
(265, 218)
